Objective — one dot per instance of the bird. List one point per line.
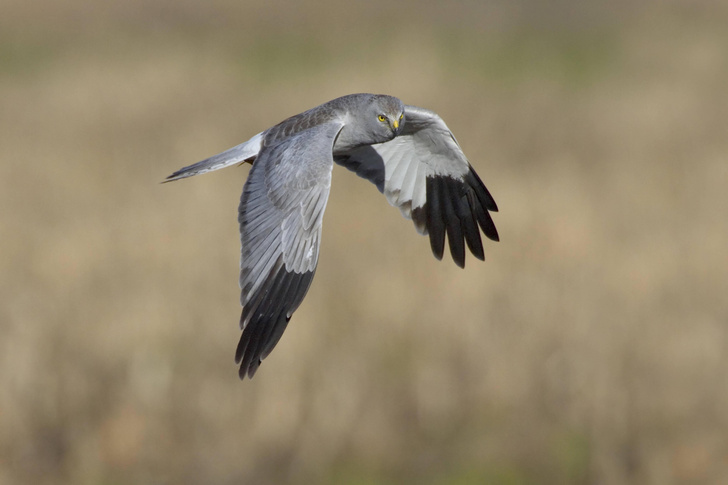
(408, 152)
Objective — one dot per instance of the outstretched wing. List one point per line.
(280, 216)
(425, 174)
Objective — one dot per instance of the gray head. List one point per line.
(373, 118)
(384, 116)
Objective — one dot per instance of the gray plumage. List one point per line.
(407, 152)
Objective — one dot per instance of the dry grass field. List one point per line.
(591, 347)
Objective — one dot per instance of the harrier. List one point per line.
(407, 152)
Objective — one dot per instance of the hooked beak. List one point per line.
(396, 127)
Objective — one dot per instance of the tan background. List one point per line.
(590, 348)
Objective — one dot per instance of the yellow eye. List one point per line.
(401, 116)
(382, 118)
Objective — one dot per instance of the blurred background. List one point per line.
(590, 348)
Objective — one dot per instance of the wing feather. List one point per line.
(409, 182)
(435, 219)
(394, 182)
(466, 213)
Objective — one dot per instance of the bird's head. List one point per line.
(384, 117)
(370, 119)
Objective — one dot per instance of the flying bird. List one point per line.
(407, 152)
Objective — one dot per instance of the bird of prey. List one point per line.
(407, 152)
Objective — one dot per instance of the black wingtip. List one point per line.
(465, 211)
(449, 198)
(253, 368)
(435, 223)
(266, 316)
(481, 191)
(460, 263)
(457, 209)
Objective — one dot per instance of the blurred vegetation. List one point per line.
(590, 347)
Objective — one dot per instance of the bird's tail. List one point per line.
(242, 153)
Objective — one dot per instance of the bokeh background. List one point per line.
(590, 348)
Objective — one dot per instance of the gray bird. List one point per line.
(407, 152)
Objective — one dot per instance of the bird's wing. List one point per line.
(425, 174)
(238, 154)
(280, 217)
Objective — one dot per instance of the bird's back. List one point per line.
(338, 108)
